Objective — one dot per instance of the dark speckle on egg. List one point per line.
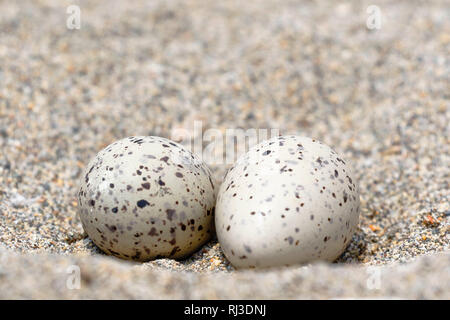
(142, 203)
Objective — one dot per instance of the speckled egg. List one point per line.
(147, 197)
(289, 200)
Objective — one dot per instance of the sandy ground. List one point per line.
(378, 97)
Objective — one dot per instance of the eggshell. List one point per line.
(147, 197)
(289, 200)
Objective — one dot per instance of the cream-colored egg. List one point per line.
(146, 197)
(289, 200)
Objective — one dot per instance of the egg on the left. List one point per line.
(143, 198)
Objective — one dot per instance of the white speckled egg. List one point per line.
(289, 200)
(147, 197)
